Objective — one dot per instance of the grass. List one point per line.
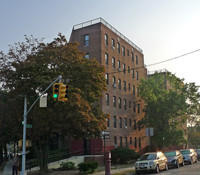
(130, 172)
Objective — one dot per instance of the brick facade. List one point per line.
(130, 72)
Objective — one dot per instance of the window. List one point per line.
(115, 122)
(137, 75)
(124, 68)
(118, 47)
(130, 123)
(128, 69)
(113, 62)
(136, 59)
(119, 84)
(135, 124)
(129, 86)
(133, 89)
(120, 103)
(134, 107)
(106, 39)
(140, 142)
(107, 99)
(120, 122)
(131, 142)
(87, 55)
(114, 101)
(135, 142)
(126, 142)
(106, 59)
(124, 83)
(113, 43)
(129, 104)
(132, 56)
(108, 123)
(123, 50)
(120, 139)
(127, 52)
(86, 40)
(107, 79)
(125, 122)
(138, 106)
(138, 92)
(118, 65)
(114, 81)
(124, 104)
(115, 140)
(133, 74)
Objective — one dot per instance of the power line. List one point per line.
(158, 62)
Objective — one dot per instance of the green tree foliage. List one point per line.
(31, 66)
(165, 108)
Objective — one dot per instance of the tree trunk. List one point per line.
(1, 155)
(5, 152)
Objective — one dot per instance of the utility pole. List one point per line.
(24, 127)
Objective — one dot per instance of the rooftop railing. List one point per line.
(100, 20)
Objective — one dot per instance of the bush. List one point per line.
(87, 167)
(68, 165)
(123, 155)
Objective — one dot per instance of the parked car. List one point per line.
(189, 155)
(198, 153)
(174, 158)
(154, 161)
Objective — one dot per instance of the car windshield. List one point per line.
(185, 151)
(148, 157)
(170, 154)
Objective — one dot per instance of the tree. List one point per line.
(31, 66)
(165, 108)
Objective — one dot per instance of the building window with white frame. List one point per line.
(119, 84)
(113, 62)
(120, 122)
(113, 44)
(118, 47)
(124, 68)
(125, 107)
(123, 51)
(107, 79)
(137, 75)
(125, 122)
(114, 81)
(134, 107)
(120, 103)
(107, 99)
(114, 121)
(133, 74)
(119, 65)
(86, 40)
(124, 83)
(114, 101)
(106, 59)
(106, 39)
(108, 123)
(136, 59)
(127, 52)
(132, 56)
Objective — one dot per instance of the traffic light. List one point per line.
(63, 92)
(56, 87)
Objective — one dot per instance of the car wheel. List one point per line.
(177, 164)
(157, 170)
(166, 167)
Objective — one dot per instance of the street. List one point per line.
(186, 170)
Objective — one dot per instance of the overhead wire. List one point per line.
(153, 64)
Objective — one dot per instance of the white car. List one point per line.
(154, 161)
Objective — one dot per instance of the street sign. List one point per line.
(28, 126)
(105, 134)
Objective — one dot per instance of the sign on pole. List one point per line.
(105, 134)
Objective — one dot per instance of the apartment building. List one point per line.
(124, 65)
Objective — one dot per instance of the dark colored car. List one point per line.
(174, 158)
(198, 153)
(189, 155)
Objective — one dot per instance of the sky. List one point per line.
(162, 29)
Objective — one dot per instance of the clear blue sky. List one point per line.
(162, 29)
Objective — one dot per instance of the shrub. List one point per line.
(87, 167)
(68, 165)
(123, 155)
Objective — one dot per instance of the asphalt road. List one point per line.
(193, 169)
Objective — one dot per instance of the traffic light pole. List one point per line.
(24, 127)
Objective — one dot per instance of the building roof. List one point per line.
(100, 20)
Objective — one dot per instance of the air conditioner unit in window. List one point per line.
(119, 69)
(114, 85)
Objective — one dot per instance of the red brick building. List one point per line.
(124, 65)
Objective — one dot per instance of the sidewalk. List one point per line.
(113, 171)
(8, 168)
